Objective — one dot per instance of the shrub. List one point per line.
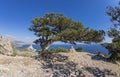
(39, 52)
(14, 54)
(22, 54)
(55, 51)
(52, 51)
(114, 50)
(61, 50)
(114, 32)
(79, 49)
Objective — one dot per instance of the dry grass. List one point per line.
(16, 59)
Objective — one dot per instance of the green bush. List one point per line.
(16, 54)
(55, 51)
(39, 52)
(79, 49)
(24, 55)
(62, 50)
(114, 49)
(114, 32)
(52, 51)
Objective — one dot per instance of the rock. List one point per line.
(72, 49)
(61, 58)
(78, 73)
(30, 48)
(65, 72)
(80, 67)
(56, 74)
(5, 46)
(58, 66)
(71, 65)
(20, 67)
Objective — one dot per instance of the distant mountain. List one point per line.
(19, 43)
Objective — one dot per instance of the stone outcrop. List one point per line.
(30, 48)
(5, 46)
(72, 49)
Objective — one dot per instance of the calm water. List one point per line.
(91, 48)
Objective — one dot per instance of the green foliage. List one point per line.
(39, 52)
(62, 50)
(114, 32)
(79, 49)
(16, 54)
(57, 27)
(106, 56)
(58, 50)
(25, 50)
(55, 51)
(114, 49)
(52, 51)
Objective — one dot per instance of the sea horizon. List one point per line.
(91, 48)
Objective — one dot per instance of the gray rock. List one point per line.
(78, 73)
(59, 66)
(72, 49)
(71, 65)
(5, 46)
(56, 74)
(30, 48)
(65, 72)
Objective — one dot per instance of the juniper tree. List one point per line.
(56, 27)
(114, 32)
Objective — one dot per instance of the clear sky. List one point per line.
(16, 15)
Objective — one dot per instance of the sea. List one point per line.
(91, 48)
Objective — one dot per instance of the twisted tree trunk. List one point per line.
(47, 47)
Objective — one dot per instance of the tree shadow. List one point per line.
(102, 58)
(99, 57)
(59, 65)
(99, 73)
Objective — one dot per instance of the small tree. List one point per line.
(56, 27)
(114, 32)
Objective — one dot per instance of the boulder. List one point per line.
(5, 46)
(72, 49)
(30, 48)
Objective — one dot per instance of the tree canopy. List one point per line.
(114, 32)
(56, 27)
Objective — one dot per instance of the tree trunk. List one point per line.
(45, 48)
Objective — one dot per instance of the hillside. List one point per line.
(73, 64)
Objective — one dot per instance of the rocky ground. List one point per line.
(73, 64)
(19, 67)
(94, 66)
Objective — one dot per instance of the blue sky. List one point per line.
(16, 15)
